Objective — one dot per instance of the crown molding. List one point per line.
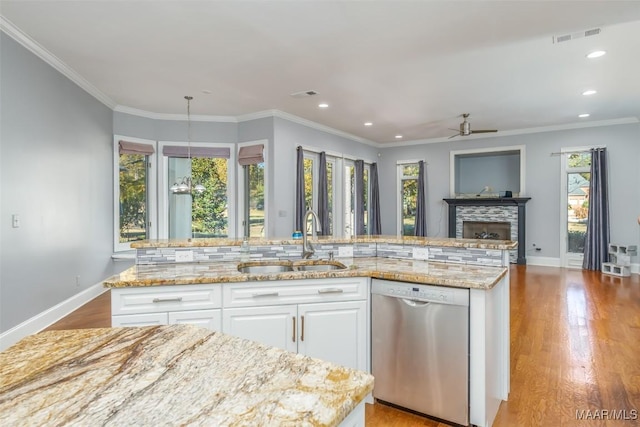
(34, 47)
(499, 134)
(324, 128)
(179, 117)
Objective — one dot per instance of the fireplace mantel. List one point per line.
(519, 202)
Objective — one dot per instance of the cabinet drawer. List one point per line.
(165, 298)
(294, 292)
(151, 319)
(210, 319)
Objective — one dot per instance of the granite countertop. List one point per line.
(402, 240)
(455, 275)
(170, 375)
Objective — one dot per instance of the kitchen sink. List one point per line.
(264, 268)
(319, 265)
(274, 267)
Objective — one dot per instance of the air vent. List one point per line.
(304, 94)
(578, 35)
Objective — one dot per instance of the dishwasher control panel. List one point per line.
(418, 292)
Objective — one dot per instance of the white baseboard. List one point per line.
(544, 261)
(555, 262)
(49, 316)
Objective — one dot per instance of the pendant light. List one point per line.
(183, 185)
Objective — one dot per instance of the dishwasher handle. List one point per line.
(414, 303)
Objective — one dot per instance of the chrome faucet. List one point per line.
(307, 247)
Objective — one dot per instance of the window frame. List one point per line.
(163, 183)
(242, 191)
(152, 200)
(568, 259)
(400, 164)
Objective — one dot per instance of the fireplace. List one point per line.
(494, 230)
(501, 216)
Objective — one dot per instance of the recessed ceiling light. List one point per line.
(596, 54)
(582, 116)
(206, 91)
(398, 136)
(368, 124)
(323, 105)
(589, 92)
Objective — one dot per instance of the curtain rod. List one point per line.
(588, 150)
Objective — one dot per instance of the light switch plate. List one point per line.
(184, 256)
(345, 251)
(421, 253)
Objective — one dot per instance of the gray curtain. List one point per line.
(421, 204)
(300, 199)
(374, 204)
(359, 195)
(323, 197)
(596, 245)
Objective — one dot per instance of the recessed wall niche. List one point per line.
(487, 172)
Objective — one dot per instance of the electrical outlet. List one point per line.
(345, 251)
(15, 221)
(421, 253)
(184, 256)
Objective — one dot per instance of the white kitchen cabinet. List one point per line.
(335, 332)
(163, 305)
(323, 318)
(271, 325)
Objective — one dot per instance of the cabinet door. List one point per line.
(150, 319)
(270, 325)
(335, 332)
(211, 319)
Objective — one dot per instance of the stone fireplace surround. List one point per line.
(504, 209)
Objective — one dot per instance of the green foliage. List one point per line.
(133, 197)
(209, 211)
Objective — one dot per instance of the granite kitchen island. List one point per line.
(171, 375)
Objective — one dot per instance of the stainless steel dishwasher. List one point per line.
(420, 348)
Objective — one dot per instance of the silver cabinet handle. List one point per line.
(266, 294)
(302, 327)
(293, 337)
(177, 299)
(330, 291)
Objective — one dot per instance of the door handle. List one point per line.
(177, 299)
(330, 291)
(302, 329)
(266, 294)
(293, 337)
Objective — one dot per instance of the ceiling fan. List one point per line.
(465, 128)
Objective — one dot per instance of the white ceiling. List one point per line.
(410, 67)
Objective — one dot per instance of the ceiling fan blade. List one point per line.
(453, 136)
(484, 131)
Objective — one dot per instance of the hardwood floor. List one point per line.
(575, 346)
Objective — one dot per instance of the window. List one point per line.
(408, 196)
(331, 165)
(134, 187)
(208, 214)
(578, 179)
(349, 198)
(252, 190)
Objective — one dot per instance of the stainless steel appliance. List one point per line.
(420, 348)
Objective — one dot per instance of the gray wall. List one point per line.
(56, 174)
(173, 130)
(500, 172)
(542, 180)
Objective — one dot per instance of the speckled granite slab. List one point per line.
(455, 275)
(405, 240)
(169, 375)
